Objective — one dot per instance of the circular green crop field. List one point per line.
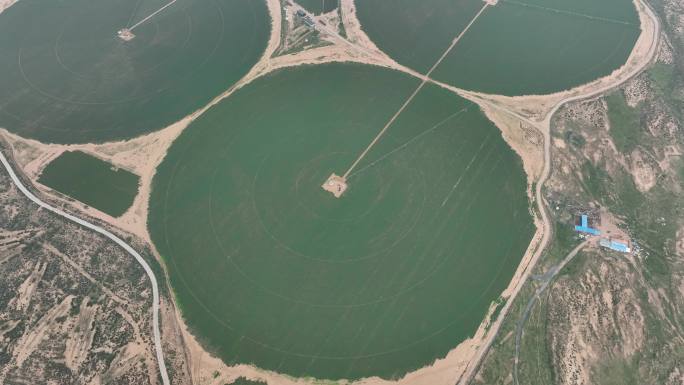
(68, 77)
(516, 47)
(270, 269)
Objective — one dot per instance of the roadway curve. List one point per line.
(544, 126)
(118, 241)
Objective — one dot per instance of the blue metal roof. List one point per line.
(614, 245)
(587, 230)
(584, 227)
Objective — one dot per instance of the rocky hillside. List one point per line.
(608, 317)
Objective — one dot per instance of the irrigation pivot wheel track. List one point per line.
(276, 271)
(71, 78)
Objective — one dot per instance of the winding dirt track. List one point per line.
(544, 127)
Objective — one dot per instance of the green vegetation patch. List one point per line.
(70, 78)
(318, 7)
(535, 361)
(245, 381)
(616, 371)
(663, 75)
(625, 127)
(513, 47)
(91, 181)
(275, 271)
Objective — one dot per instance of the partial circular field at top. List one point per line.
(318, 7)
(274, 270)
(515, 47)
(68, 77)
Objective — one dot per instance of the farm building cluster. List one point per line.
(587, 225)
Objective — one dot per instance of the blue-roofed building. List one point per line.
(583, 227)
(620, 246)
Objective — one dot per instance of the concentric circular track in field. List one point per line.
(275, 271)
(515, 47)
(70, 78)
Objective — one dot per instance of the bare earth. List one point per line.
(335, 184)
(4, 4)
(524, 122)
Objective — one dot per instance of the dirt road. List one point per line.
(546, 281)
(118, 241)
(544, 127)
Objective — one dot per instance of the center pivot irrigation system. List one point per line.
(126, 34)
(336, 184)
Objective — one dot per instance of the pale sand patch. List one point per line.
(127, 359)
(642, 171)
(559, 143)
(335, 184)
(611, 227)
(352, 27)
(138, 348)
(30, 341)
(4, 4)
(28, 287)
(524, 139)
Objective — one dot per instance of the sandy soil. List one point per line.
(136, 349)
(643, 174)
(524, 122)
(79, 342)
(335, 184)
(28, 287)
(524, 139)
(352, 28)
(29, 342)
(4, 4)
